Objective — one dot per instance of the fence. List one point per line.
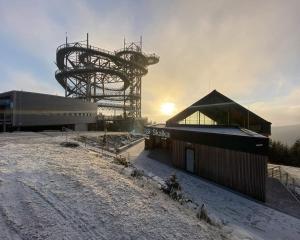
(67, 131)
(104, 150)
(286, 180)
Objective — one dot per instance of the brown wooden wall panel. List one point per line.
(177, 153)
(241, 171)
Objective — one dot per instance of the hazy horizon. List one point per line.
(247, 50)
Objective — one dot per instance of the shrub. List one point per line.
(172, 184)
(69, 144)
(172, 188)
(121, 160)
(202, 214)
(137, 173)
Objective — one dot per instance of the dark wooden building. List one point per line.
(217, 109)
(225, 152)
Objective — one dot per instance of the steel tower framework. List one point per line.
(111, 79)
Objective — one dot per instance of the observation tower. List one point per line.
(112, 79)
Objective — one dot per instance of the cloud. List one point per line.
(247, 50)
(26, 81)
(31, 27)
(282, 110)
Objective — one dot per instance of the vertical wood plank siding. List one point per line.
(241, 171)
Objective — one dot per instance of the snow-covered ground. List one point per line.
(240, 213)
(51, 192)
(292, 171)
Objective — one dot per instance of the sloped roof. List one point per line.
(224, 111)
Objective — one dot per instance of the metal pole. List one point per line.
(88, 87)
(228, 118)
(87, 40)
(280, 174)
(248, 119)
(124, 109)
(95, 84)
(66, 64)
(4, 126)
(294, 188)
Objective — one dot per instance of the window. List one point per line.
(198, 118)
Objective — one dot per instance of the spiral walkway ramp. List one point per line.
(111, 79)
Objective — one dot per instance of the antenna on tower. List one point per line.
(87, 39)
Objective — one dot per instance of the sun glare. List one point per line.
(167, 108)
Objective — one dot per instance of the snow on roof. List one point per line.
(213, 129)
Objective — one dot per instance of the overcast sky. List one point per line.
(247, 50)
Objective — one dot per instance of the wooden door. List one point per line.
(190, 160)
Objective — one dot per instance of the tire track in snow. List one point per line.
(18, 214)
(86, 231)
(13, 228)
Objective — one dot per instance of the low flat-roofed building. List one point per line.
(35, 111)
(224, 152)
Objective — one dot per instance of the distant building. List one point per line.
(218, 139)
(34, 111)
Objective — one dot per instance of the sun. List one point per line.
(167, 108)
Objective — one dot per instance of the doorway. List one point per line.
(190, 160)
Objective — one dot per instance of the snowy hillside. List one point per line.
(52, 192)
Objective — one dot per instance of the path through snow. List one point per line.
(239, 212)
